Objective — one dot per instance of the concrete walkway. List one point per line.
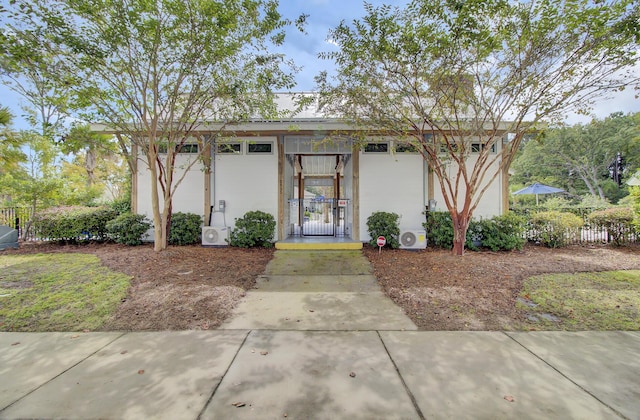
(294, 359)
(318, 290)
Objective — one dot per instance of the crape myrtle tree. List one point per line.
(154, 72)
(449, 76)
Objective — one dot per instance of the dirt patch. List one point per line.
(440, 291)
(196, 288)
(190, 287)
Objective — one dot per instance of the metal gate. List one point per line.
(319, 217)
(327, 217)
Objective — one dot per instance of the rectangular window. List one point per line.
(406, 148)
(187, 148)
(444, 148)
(260, 147)
(233, 148)
(377, 147)
(191, 148)
(477, 147)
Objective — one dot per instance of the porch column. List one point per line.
(134, 179)
(355, 162)
(281, 188)
(206, 159)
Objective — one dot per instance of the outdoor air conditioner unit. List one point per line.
(215, 235)
(413, 239)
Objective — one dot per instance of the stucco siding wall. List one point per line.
(392, 183)
(490, 204)
(246, 182)
(188, 197)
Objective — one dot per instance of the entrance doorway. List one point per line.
(319, 205)
(318, 186)
(319, 202)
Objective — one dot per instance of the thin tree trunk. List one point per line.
(460, 225)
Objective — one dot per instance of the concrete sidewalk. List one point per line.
(317, 339)
(320, 374)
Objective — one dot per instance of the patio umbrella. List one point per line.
(538, 188)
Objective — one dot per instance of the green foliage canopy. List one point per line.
(156, 71)
(439, 74)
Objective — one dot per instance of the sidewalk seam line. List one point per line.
(404, 384)
(215, 389)
(565, 376)
(62, 373)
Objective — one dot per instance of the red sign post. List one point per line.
(381, 242)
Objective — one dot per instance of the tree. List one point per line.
(10, 153)
(445, 74)
(90, 149)
(577, 158)
(155, 71)
(25, 68)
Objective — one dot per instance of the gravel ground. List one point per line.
(193, 287)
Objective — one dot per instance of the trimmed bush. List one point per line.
(72, 224)
(555, 229)
(254, 229)
(475, 234)
(185, 229)
(439, 229)
(618, 222)
(128, 228)
(503, 233)
(121, 205)
(385, 224)
(500, 233)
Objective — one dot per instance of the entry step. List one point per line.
(304, 243)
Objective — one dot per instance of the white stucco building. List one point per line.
(312, 186)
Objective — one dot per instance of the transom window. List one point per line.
(477, 147)
(229, 148)
(382, 147)
(406, 148)
(260, 147)
(190, 148)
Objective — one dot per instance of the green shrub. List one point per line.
(503, 233)
(71, 224)
(555, 203)
(254, 229)
(618, 221)
(185, 229)
(128, 228)
(439, 229)
(475, 234)
(385, 224)
(555, 229)
(596, 203)
(121, 205)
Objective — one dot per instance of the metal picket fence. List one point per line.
(18, 218)
(588, 233)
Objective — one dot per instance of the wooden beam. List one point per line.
(206, 159)
(134, 179)
(355, 162)
(281, 189)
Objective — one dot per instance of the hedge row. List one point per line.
(552, 229)
(78, 224)
(72, 224)
(500, 233)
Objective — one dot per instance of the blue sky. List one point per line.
(304, 49)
